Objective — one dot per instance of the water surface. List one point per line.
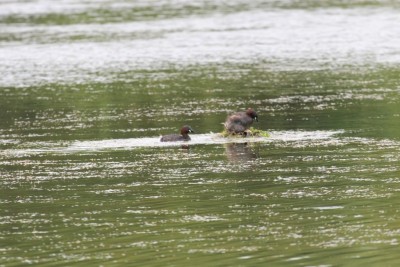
(87, 88)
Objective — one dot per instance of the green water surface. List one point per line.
(306, 201)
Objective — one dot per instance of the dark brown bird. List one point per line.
(240, 122)
(184, 136)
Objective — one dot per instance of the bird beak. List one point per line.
(256, 118)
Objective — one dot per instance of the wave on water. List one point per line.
(304, 137)
(197, 139)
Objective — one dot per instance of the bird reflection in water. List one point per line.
(185, 147)
(239, 152)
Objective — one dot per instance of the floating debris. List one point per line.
(252, 132)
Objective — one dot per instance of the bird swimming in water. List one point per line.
(184, 136)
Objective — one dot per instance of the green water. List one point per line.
(84, 180)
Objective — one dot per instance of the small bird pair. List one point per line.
(237, 123)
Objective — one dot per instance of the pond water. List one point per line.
(87, 88)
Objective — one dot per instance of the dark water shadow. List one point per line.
(240, 152)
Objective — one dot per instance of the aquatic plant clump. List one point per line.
(252, 132)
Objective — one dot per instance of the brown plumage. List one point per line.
(239, 122)
(184, 136)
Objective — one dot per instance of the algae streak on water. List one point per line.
(252, 132)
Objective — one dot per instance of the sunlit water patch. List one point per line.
(313, 192)
(288, 39)
(197, 139)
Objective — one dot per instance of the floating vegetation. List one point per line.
(252, 132)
